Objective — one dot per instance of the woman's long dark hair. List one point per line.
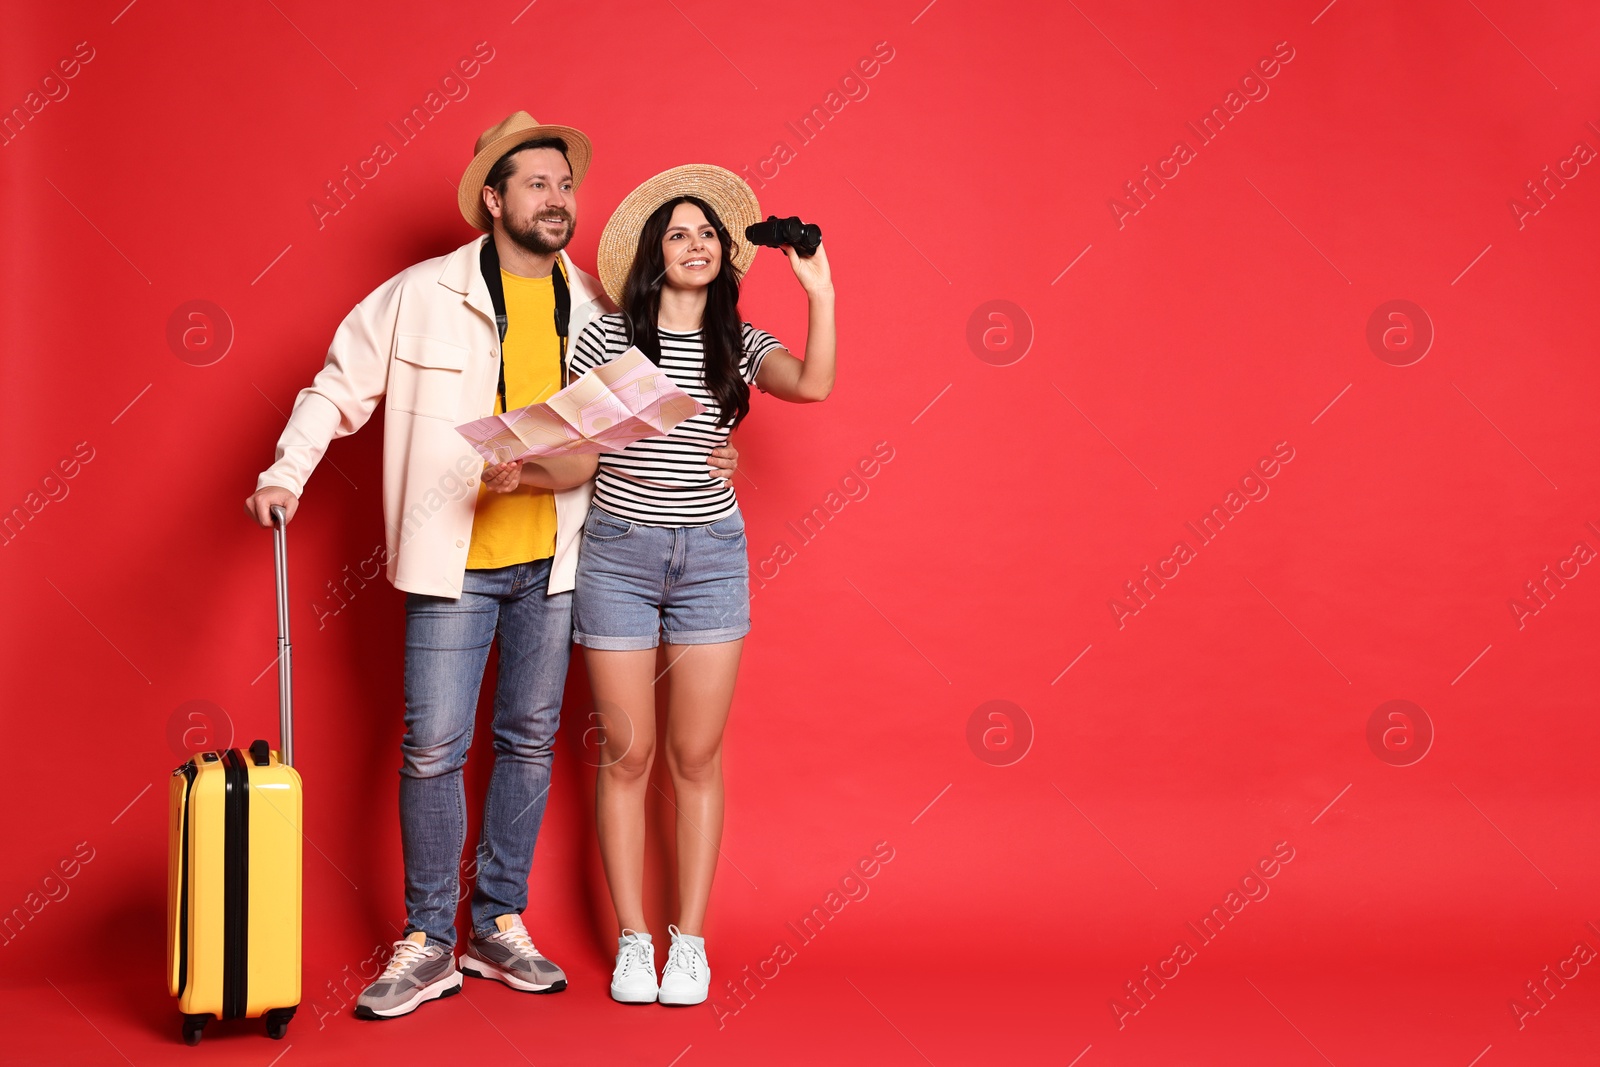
(721, 329)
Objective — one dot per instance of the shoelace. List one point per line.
(682, 957)
(636, 952)
(406, 953)
(519, 939)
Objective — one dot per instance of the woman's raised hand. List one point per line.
(812, 270)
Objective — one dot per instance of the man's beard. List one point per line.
(530, 237)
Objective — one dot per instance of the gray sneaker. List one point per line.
(509, 957)
(415, 975)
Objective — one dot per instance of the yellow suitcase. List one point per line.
(233, 873)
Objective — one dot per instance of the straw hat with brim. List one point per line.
(728, 194)
(501, 138)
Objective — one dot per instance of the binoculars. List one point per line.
(775, 232)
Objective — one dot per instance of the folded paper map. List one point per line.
(606, 410)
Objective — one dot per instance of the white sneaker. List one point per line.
(686, 979)
(633, 980)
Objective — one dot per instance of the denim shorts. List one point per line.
(639, 584)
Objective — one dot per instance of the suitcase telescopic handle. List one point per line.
(280, 552)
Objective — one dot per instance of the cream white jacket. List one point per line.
(425, 341)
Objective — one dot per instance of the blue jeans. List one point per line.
(447, 646)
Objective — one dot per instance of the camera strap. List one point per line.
(489, 264)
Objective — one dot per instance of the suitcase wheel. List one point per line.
(193, 1025)
(278, 1022)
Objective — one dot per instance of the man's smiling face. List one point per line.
(538, 206)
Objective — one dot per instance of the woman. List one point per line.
(664, 544)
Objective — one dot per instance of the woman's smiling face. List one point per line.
(690, 249)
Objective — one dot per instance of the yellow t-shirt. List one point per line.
(520, 526)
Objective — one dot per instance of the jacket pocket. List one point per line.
(426, 376)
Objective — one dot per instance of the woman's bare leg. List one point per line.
(700, 692)
(623, 684)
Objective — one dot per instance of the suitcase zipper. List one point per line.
(188, 771)
(236, 887)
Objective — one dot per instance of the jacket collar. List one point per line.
(461, 274)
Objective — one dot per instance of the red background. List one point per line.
(1229, 714)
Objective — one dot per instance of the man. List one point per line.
(485, 328)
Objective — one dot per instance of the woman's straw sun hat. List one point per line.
(729, 195)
